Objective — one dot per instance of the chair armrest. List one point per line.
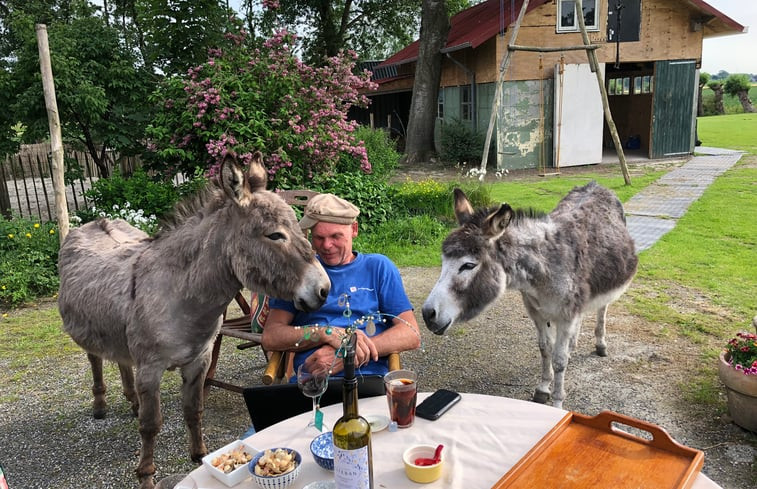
(277, 363)
(394, 362)
(241, 334)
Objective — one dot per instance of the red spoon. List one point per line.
(422, 461)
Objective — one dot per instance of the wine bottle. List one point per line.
(353, 460)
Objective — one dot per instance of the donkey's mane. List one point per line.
(519, 215)
(209, 197)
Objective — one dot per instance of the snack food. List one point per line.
(275, 463)
(229, 461)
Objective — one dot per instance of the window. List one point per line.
(466, 107)
(646, 84)
(619, 86)
(440, 104)
(566, 15)
(642, 84)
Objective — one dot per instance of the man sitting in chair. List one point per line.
(362, 285)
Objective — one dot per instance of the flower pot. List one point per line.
(742, 394)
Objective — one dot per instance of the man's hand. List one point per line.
(325, 356)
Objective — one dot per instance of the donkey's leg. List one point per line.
(599, 331)
(150, 420)
(193, 381)
(566, 333)
(99, 406)
(546, 333)
(127, 382)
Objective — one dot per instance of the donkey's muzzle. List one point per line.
(431, 320)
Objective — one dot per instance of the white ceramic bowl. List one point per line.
(276, 481)
(236, 476)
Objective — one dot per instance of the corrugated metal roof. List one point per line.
(473, 26)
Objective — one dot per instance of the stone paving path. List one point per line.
(655, 210)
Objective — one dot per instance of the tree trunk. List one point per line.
(428, 72)
(745, 102)
(718, 92)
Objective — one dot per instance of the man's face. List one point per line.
(333, 242)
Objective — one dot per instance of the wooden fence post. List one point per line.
(56, 140)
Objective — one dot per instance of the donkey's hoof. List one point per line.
(602, 351)
(99, 412)
(541, 397)
(145, 476)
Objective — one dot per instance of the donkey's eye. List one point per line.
(276, 236)
(467, 266)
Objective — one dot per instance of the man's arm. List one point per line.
(280, 335)
(403, 335)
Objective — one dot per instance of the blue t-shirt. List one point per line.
(373, 285)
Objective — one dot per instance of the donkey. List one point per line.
(575, 259)
(157, 303)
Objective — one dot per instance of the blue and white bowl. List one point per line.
(276, 481)
(322, 448)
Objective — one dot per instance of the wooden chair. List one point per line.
(240, 327)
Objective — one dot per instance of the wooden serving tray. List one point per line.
(589, 452)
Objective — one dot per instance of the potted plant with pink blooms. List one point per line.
(738, 372)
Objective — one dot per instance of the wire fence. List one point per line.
(26, 184)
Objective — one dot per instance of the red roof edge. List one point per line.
(707, 8)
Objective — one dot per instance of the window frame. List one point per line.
(593, 27)
(466, 106)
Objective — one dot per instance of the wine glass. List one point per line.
(312, 383)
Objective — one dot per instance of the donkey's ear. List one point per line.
(496, 222)
(463, 209)
(232, 177)
(257, 176)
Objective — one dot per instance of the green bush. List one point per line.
(460, 143)
(374, 197)
(139, 190)
(28, 260)
(139, 199)
(381, 150)
(433, 198)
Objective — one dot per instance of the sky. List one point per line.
(734, 53)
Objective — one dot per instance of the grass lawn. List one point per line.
(732, 131)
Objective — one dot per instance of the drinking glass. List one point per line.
(401, 393)
(312, 384)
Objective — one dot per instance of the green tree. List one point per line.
(717, 89)
(738, 86)
(704, 78)
(372, 28)
(100, 87)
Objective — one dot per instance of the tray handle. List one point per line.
(660, 438)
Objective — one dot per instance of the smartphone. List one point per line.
(437, 404)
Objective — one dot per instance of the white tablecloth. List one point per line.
(483, 437)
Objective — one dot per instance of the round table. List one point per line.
(483, 437)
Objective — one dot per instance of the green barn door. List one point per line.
(673, 110)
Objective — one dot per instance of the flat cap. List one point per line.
(328, 208)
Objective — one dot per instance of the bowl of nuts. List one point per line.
(229, 463)
(275, 468)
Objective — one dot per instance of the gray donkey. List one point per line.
(157, 303)
(577, 258)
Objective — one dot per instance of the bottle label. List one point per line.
(351, 468)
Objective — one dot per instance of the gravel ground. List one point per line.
(49, 439)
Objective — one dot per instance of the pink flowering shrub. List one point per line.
(253, 96)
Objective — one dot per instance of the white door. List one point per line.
(578, 117)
